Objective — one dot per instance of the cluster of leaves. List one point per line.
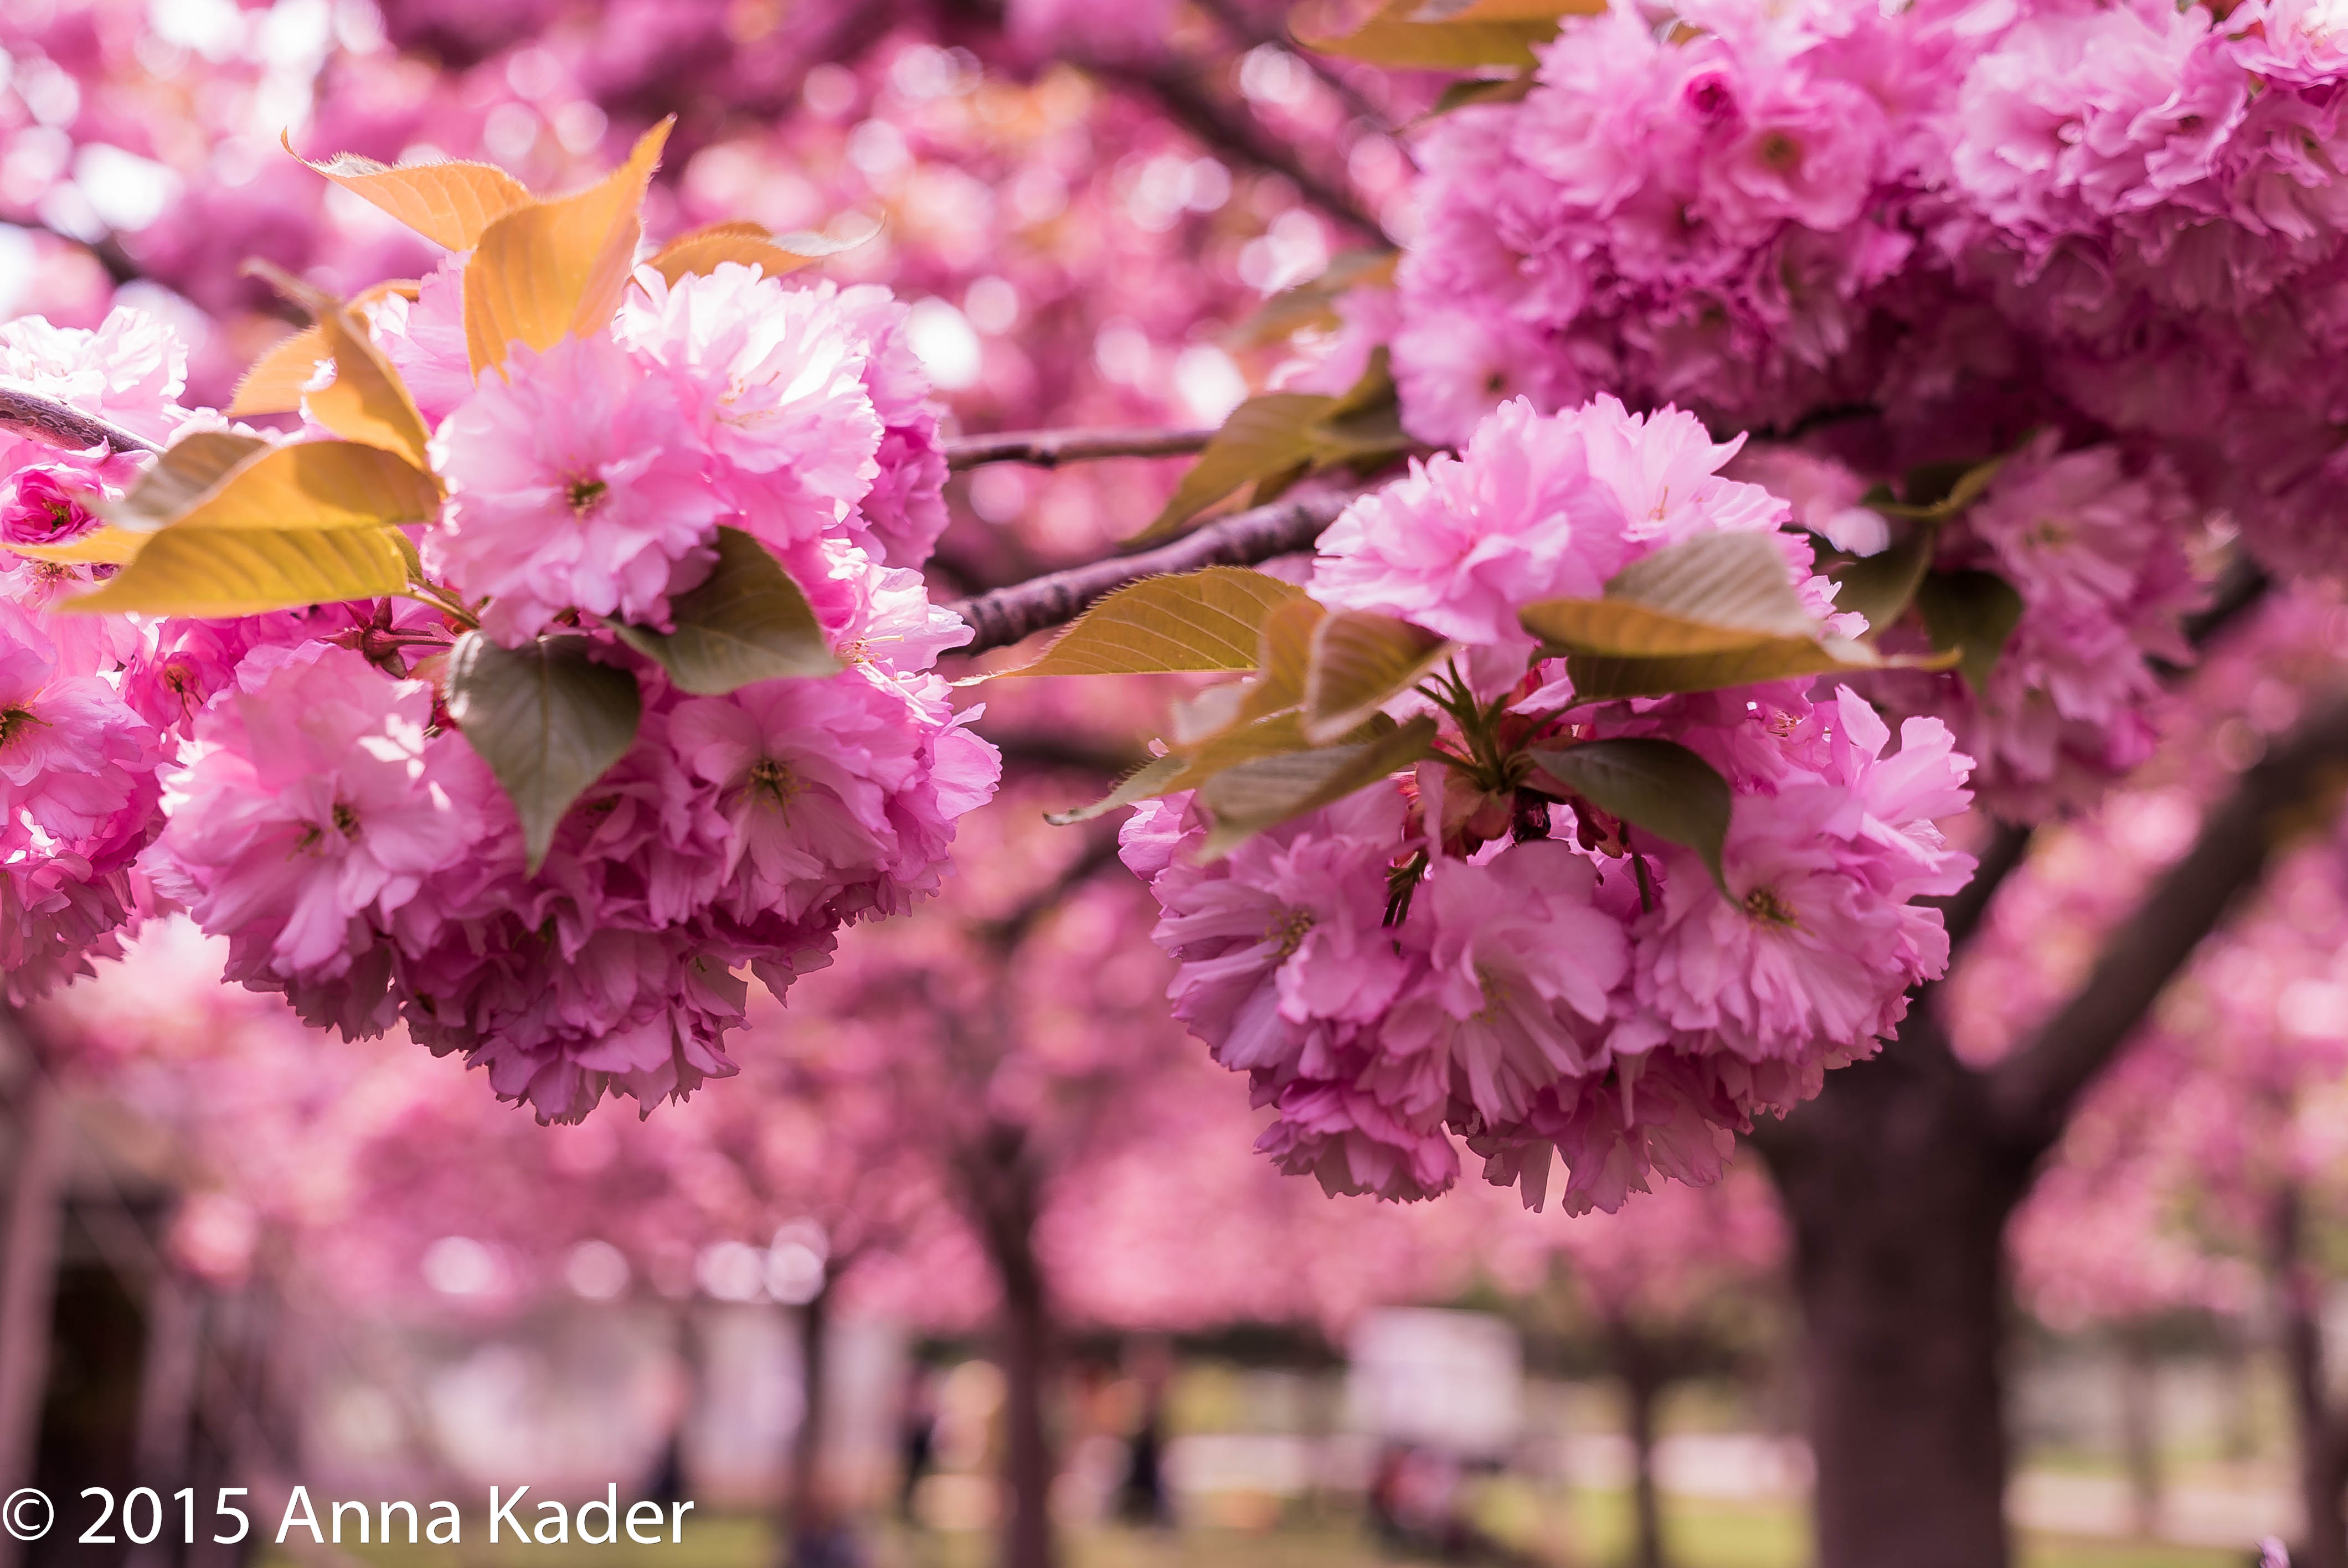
(1305, 724)
(230, 524)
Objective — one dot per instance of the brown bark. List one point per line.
(2140, 1402)
(1006, 615)
(1051, 448)
(29, 1271)
(1006, 1190)
(1899, 1178)
(1899, 1196)
(806, 1444)
(1639, 1370)
(2323, 1461)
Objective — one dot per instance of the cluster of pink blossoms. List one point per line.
(1912, 236)
(325, 814)
(2093, 541)
(1555, 980)
(78, 751)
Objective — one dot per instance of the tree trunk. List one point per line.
(1640, 1371)
(2325, 1541)
(2140, 1426)
(1007, 1195)
(1898, 1193)
(167, 1397)
(28, 1277)
(815, 1357)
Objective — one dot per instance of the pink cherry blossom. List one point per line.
(574, 483)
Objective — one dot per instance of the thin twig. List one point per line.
(1007, 614)
(62, 424)
(1050, 448)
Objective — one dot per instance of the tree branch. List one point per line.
(2295, 785)
(1007, 614)
(1189, 105)
(1050, 448)
(62, 424)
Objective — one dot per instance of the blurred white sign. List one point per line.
(1453, 1380)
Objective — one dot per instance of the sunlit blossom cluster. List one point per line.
(316, 803)
(1425, 961)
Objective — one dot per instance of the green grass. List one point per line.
(1587, 1530)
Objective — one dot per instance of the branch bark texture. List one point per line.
(62, 424)
(1050, 448)
(1007, 614)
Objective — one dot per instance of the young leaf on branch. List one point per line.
(273, 382)
(705, 249)
(1970, 614)
(1358, 661)
(550, 269)
(366, 400)
(1450, 35)
(548, 720)
(1880, 587)
(452, 204)
(189, 470)
(1654, 784)
(217, 573)
(1312, 305)
(307, 485)
(1714, 611)
(1273, 440)
(1207, 620)
(1247, 799)
(747, 622)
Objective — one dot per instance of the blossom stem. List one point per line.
(1007, 614)
(1050, 448)
(438, 599)
(62, 424)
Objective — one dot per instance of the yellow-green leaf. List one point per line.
(366, 400)
(1312, 305)
(1284, 648)
(1271, 440)
(108, 546)
(316, 485)
(1255, 795)
(1359, 660)
(556, 268)
(705, 249)
(273, 382)
(189, 469)
(450, 203)
(1198, 621)
(1154, 777)
(1265, 435)
(1711, 613)
(1444, 34)
(218, 573)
